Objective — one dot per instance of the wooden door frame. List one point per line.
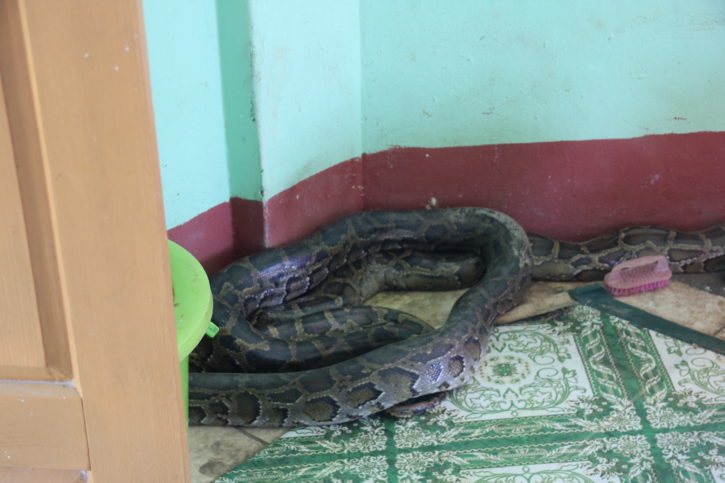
(76, 88)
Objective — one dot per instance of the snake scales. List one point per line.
(268, 368)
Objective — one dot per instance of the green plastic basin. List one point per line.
(192, 308)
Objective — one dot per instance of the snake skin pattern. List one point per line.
(296, 348)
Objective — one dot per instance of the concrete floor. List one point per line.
(693, 300)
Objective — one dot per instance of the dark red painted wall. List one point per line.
(314, 202)
(222, 234)
(570, 190)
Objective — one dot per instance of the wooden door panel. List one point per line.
(19, 321)
(89, 276)
(50, 413)
(34, 475)
(25, 151)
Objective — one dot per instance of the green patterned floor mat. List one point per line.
(583, 396)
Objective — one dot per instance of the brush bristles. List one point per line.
(648, 287)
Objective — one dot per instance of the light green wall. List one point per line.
(253, 96)
(472, 72)
(200, 67)
(185, 80)
(307, 87)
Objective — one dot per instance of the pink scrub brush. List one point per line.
(642, 274)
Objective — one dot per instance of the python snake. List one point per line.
(295, 346)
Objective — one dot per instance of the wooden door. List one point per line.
(89, 375)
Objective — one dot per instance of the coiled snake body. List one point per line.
(294, 310)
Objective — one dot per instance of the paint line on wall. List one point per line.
(570, 190)
(314, 202)
(472, 72)
(223, 233)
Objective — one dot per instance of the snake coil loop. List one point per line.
(295, 349)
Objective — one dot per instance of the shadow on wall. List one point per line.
(241, 135)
